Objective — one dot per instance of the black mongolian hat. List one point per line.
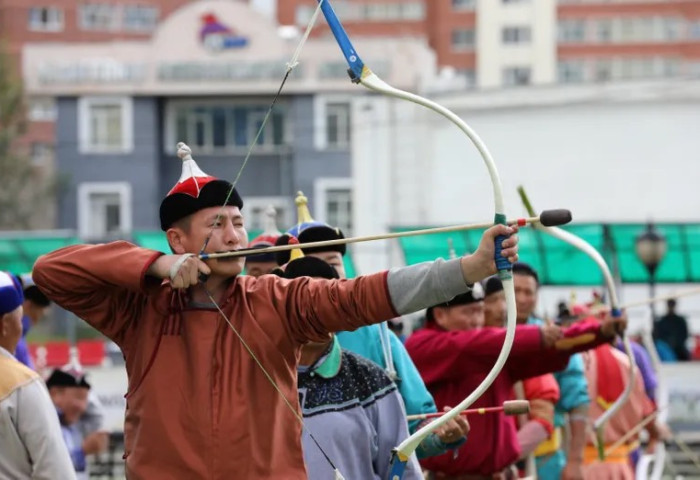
(67, 378)
(194, 191)
(476, 294)
(308, 267)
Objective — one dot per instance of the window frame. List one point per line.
(56, 26)
(85, 125)
(130, 28)
(86, 189)
(321, 103)
(519, 30)
(321, 188)
(463, 47)
(173, 107)
(114, 17)
(283, 205)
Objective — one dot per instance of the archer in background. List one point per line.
(454, 353)
(553, 461)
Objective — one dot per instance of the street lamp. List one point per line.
(650, 247)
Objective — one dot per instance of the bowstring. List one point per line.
(290, 67)
(272, 381)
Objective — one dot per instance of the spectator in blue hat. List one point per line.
(31, 445)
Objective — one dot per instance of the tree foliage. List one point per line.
(25, 191)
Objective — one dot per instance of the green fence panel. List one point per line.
(17, 255)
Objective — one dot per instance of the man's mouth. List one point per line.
(227, 259)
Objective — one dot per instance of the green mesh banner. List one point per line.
(560, 264)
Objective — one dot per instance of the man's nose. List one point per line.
(232, 237)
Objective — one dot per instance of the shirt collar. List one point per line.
(328, 365)
(5, 353)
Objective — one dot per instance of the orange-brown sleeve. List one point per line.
(102, 284)
(315, 307)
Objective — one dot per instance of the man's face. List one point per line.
(495, 309)
(525, 296)
(71, 401)
(227, 234)
(334, 259)
(11, 329)
(255, 269)
(35, 312)
(460, 317)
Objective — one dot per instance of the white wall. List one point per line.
(628, 153)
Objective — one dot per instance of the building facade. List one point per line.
(206, 76)
(497, 43)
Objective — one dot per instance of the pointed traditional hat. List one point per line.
(267, 238)
(308, 230)
(195, 191)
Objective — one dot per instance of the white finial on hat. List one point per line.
(189, 166)
(270, 222)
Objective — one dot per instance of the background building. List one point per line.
(521, 42)
(205, 76)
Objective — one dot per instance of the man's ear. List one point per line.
(438, 315)
(175, 238)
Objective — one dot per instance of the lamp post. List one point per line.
(650, 247)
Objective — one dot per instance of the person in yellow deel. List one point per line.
(31, 445)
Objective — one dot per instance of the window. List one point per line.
(105, 125)
(572, 31)
(41, 154)
(672, 28)
(694, 29)
(571, 71)
(412, 11)
(222, 128)
(42, 109)
(605, 31)
(463, 39)
(513, 76)
(255, 212)
(104, 210)
(463, 4)
(469, 76)
(603, 71)
(98, 16)
(45, 19)
(140, 18)
(332, 122)
(338, 125)
(515, 35)
(333, 202)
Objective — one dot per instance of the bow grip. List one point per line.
(617, 313)
(398, 466)
(502, 263)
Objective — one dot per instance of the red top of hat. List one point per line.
(193, 178)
